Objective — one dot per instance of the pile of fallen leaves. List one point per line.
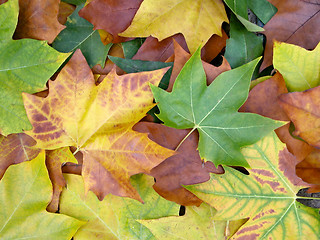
(159, 119)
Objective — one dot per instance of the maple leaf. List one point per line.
(38, 20)
(213, 112)
(110, 15)
(114, 217)
(303, 110)
(295, 22)
(242, 46)
(300, 68)
(196, 20)
(263, 100)
(267, 196)
(240, 9)
(25, 191)
(80, 35)
(99, 124)
(197, 223)
(54, 160)
(309, 170)
(180, 59)
(25, 66)
(185, 167)
(65, 10)
(16, 148)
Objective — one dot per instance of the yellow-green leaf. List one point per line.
(267, 196)
(299, 67)
(197, 20)
(98, 121)
(114, 217)
(197, 223)
(25, 191)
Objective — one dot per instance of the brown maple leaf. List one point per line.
(98, 121)
(113, 16)
(296, 22)
(38, 20)
(263, 100)
(184, 168)
(14, 149)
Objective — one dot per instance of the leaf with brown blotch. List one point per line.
(98, 121)
(14, 149)
(309, 170)
(184, 168)
(296, 22)
(263, 100)
(38, 20)
(303, 109)
(113, 16)
(267, 196)
(54, 161)
(181, 57)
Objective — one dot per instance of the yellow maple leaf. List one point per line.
(98, 120)
(197, 20)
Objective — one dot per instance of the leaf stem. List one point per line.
(76, 151)
(185, 138)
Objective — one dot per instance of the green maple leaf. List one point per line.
(213, 112)
(79, 34)
(25, 66)
(25, 192)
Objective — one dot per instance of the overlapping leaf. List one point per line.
(299, 67)
(243, 46)
(295, 22)
(213, 112)
(25, 192)
(113, 16)
(267, 196)
(162, 19)
(98, 121)
(185, 167)
(114, 217)
(16, 148)
(303, 110)
(25, 66)
(38, 20)
(79, 34)
(197, 223)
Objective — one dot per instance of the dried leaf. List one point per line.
(14, 149)
(54, 161)
(98, 121)
(295, 22)
(303, 110)
(38, 20)
(185, 167)
(113, 16)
